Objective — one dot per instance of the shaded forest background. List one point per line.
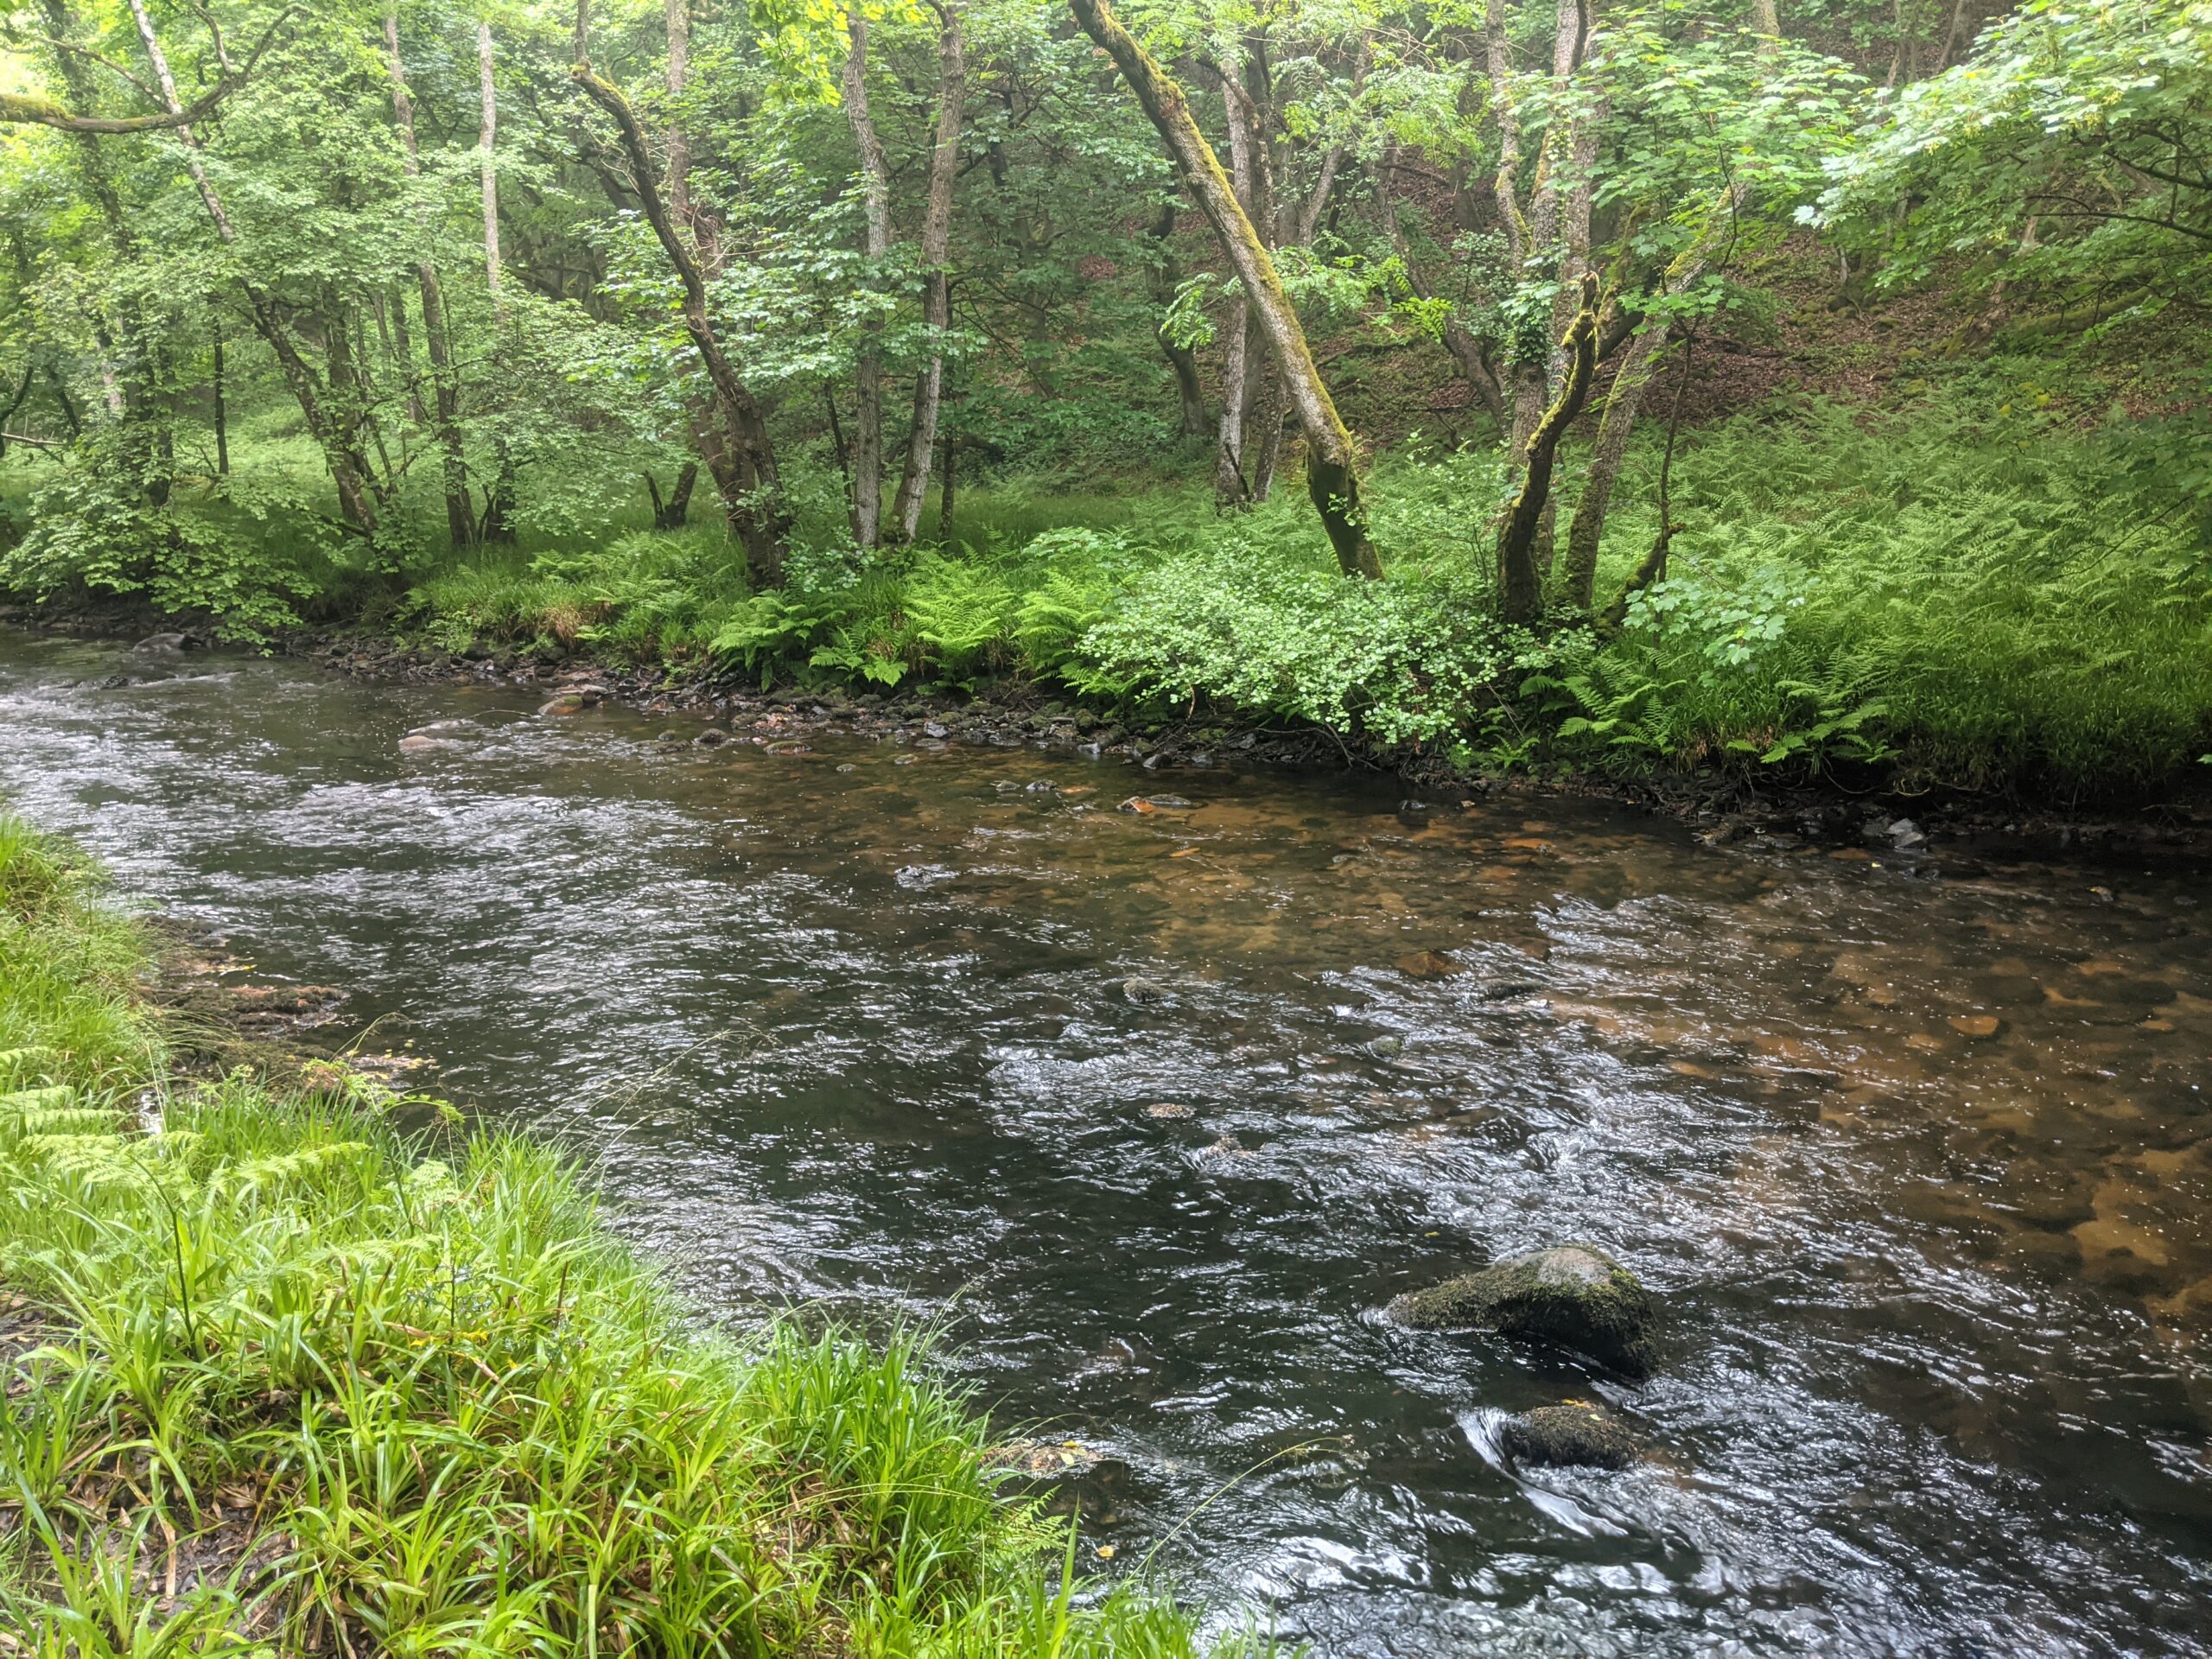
(1534, 384)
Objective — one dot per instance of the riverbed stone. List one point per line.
(1068, 1477)
(1570, 1435)
(1143, 991)
(1571, 1296)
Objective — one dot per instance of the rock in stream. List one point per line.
(1572, 1296)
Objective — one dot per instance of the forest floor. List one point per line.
(277, 1372)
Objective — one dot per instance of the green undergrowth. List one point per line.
(1965, 590)
(281, 1381)
(1955, 593)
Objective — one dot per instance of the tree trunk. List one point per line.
(674, 512)
(1265, 444)
(678, 15)
(1231, 486)
(1332, 457)
(1580, 577)
(937, 293)
(868, 368)
(403, 346)
(445, 388)
(221, 411)
(945, 490)
(498, 522)
(742, 457)
(1654, 567)
(488, 97)
(1519, 585)
(1190, 395)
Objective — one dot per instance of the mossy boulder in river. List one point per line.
(1572, 1296)
(1568, 1435)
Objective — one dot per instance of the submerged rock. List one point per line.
(1571, 1296)
(1070, 1477)
(712, 736)
(1143, 991)
(1568, 1435)
(1429, 965)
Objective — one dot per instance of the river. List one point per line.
(1915, 1152)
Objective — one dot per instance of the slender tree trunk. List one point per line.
(1519, 584)
(867, 369)
(1231, 487)
(221, 411)
(488, 98)
(1952, 36)
(1331, 456)
(742, 457)
(1525, 374)
(445, 388)
(71, 419)
(937, 292)
(403, 343)
(1654, 567)
(1579, 575)
(1471, 355)
(678, 15)
(1166, 275)
(944, 489)
(498, 522)
(703, 418)
(1324, 183)
(1263, 419)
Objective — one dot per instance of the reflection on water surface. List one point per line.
(1920, 1165)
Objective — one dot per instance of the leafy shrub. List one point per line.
(1405, 661)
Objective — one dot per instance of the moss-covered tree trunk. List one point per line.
(1332, 457)
(1520, 579)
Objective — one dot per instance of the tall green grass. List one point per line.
(300, 1388)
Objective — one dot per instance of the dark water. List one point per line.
(846, 1025)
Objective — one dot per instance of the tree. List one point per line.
(1331, 460)
(745, 471)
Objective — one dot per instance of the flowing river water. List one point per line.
(1920, 1163)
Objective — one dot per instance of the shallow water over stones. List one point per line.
(1917, 1167)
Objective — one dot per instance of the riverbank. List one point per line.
(1725, 804)
(277, 1374)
